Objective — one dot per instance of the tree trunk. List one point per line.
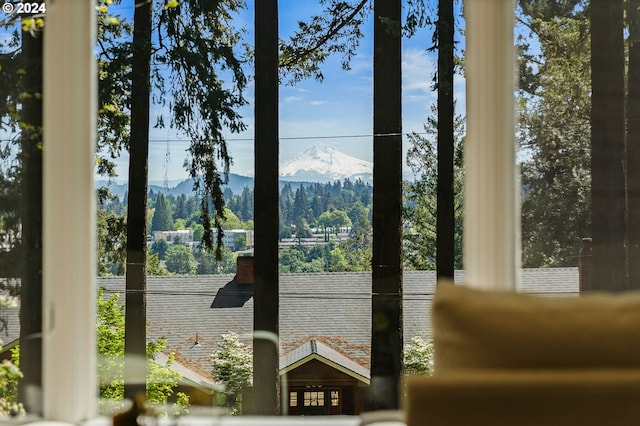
(445, 217)
(386, 334)
(633, 144)
(30, 390)
(266, 285)
(607, 146)
(136, 275)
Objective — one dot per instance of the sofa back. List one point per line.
(480, 329)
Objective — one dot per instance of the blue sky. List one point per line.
(337, 112)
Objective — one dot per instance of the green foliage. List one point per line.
(180, 260)
(231, 221)
(302, 259)
(161, 380)
(208, 264)
(111, 238)
(421, 197)
(334, 220)
(336, 31)
(198, 232)
(159, 248)
(418, 357)
(154, 267)
(302, 229)
(337, 261)
(357, 248)
(555, 109)
(162, 218)
(206, 87)
(240, 242)
(232, 365)
(10, 376)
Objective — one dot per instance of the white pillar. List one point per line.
(490, 250)
(69, 262)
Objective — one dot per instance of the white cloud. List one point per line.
(417, 75)
(292, 99)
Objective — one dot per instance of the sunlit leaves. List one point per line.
(161, 379)
(232, 365)
(418, 357)
(555, 134)
(171, 4)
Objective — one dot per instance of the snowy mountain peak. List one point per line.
(322, 163)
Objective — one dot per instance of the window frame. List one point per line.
(69, 369)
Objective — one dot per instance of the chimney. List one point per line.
(244, 274)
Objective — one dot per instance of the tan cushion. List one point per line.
(525, 398)
(492, 329)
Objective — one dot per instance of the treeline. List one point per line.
(335, 216)
(314, 204)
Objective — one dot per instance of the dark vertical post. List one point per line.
(266, 286)
(633, 143)
(30, 389)
(584, 266)
(607, 146)
(445, 216)
(135, 342)
(386, 333)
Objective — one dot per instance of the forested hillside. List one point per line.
(323, 227)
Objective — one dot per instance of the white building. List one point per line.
(182, 236)
(230, 235)
(185, 236)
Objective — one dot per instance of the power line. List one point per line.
(356, 136)
(305, 137)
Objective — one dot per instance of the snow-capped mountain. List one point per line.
(321, 163)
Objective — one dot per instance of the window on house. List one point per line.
(293, 399)
(335, 398)
(314, 398)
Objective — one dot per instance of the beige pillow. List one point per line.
(494, 329)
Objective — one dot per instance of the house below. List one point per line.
(325, 325)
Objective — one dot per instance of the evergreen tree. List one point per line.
(300, 203)
(555, 134)
(181, 207)
(420, 209)
(162, 218)
(159, 248)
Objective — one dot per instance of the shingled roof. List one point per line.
(334, 309)
(313, 349)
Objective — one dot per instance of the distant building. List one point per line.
(230, 235)
(185, 237)
(181, 236)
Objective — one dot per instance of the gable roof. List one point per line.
(316, 350)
